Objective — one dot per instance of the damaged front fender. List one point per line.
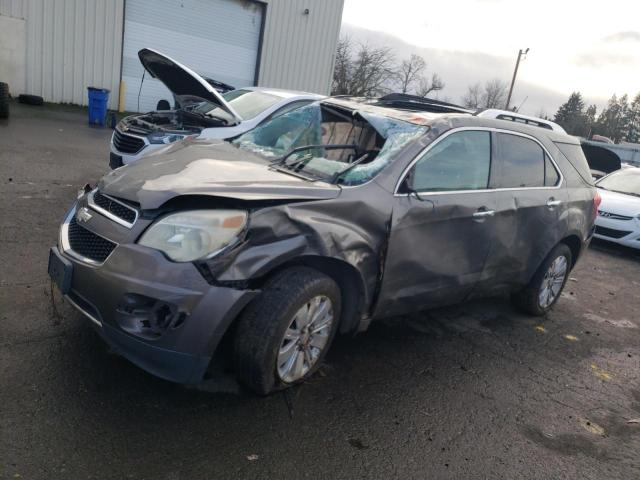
(345, 232)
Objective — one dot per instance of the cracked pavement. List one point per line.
(472, 391)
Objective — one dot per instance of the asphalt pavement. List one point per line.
(472, 391)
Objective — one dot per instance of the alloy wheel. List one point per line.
(305, 339)
(552, 281)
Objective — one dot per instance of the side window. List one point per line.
(287, 108)
(461, 161)
(522, 162)
(551, 176)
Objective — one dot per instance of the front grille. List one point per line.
(613, 216)
(611, 232)
(127, 214)
(127, 143)
(88, 244)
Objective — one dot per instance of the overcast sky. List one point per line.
(590, 46)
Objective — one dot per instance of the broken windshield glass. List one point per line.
(374, 141)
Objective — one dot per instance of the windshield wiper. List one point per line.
(335, 146)
(355, 163)
(295, 173)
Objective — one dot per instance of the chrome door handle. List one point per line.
(484, 213)
(553, 203)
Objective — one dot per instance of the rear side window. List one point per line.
(461, 161)
(551, 176)
(523, 162)
(576, 157)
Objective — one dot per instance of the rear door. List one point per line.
(528, 202)
(442, 225)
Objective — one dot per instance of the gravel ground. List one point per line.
(473, 391)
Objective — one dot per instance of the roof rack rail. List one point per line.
(406, 101)
(519, 118)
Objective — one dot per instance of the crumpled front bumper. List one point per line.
(136, 281)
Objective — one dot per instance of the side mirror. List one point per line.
(407, 187)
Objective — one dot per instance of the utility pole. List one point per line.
(513, 80)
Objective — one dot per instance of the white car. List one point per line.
(619, 212)
(200, 111)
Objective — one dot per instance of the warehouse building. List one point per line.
(57, 48)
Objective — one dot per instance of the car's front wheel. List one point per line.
(283, 335)
(545, 287)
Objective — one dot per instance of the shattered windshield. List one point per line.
(343, 146)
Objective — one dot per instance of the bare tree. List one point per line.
(472, 99)
(542, 113)
(492, 95)
(410, 71)
(362, 70)
(342, 66)
(495, 94)
(373, 70)
(426, 86)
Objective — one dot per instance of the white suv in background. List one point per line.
(200, 111)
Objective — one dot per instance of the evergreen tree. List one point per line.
(611, 121)
(632, 121)
(590, 119)
(571, 115)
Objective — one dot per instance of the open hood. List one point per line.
(181, 80)
(600, 158)
(201, 167)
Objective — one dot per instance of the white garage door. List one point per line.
(218, 39)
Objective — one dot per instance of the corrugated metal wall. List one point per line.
(14, 8)
(298, 49)
(73, 44)
(70, 45)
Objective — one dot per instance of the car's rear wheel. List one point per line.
(283, 336)
(547, 284)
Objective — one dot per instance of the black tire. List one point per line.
(30, 99)
(4, 100)
(261, 328)
(527, 299)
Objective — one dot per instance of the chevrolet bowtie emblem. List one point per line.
(83, 215)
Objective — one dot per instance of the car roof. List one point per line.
(508, 126)
(368, 105)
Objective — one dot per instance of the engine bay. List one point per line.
(179, 122)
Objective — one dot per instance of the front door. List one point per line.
(441, 226)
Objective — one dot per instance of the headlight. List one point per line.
(165, 138)
(188, 236)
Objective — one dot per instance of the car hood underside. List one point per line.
(199, 167)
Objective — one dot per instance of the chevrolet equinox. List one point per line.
(261, 249)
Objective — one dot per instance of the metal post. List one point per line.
(513, 80)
